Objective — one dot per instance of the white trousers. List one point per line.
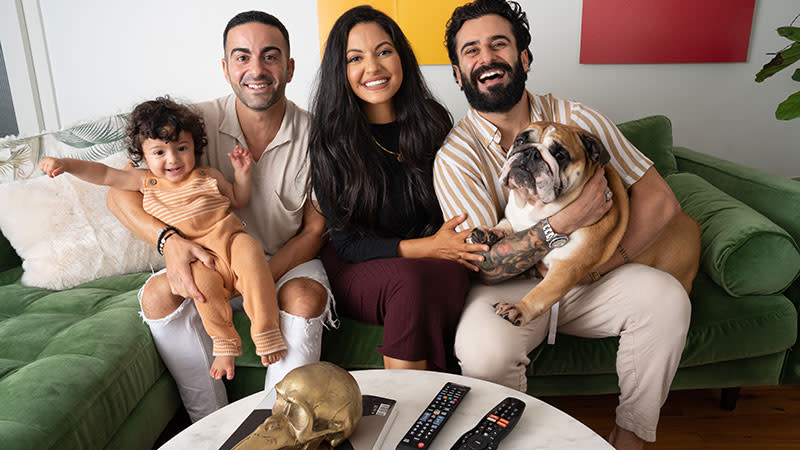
(185, 347)
(648, 309)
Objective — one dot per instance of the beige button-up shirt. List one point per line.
(279, 178)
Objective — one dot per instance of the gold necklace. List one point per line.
(395, 154)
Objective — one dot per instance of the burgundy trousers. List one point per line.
(418, 301)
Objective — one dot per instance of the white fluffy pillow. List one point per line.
(66, 236)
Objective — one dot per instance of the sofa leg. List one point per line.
(728, 398)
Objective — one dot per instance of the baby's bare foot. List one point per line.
(272, 357)
(222, 366)
(270, 346)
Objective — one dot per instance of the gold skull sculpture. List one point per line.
(315, 403)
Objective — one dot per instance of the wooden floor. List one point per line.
(765, 418)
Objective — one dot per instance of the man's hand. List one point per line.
(179, 254)
(585, 210)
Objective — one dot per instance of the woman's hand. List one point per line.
(447, 243)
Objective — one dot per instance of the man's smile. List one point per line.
(257, 85)
(491, 75)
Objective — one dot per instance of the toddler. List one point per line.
(195, 203)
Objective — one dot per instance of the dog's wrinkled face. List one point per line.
(549, 160)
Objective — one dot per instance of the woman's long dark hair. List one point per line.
(344, 164)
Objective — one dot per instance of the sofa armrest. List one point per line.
(775, 197)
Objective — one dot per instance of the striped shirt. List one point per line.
(467, 168)
(174, 205)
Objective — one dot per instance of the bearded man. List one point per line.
(487, 42)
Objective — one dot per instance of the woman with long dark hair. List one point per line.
(375, 130)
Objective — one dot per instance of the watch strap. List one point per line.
(553, 239)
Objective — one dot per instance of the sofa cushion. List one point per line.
(653, 137)
(742, 251)
(73, 364)
(721, 329)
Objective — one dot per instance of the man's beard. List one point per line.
(500, 98)
(259, 102)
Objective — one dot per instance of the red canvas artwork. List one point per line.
(665, 31)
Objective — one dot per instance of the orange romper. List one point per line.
(202, 214)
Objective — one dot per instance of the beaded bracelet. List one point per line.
(163, 235)
(164, 241)
(163, 231)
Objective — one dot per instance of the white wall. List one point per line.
(106, 56)
(109, 55)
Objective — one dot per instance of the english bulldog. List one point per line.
(546, 169)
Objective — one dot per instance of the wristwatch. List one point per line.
(554, 240)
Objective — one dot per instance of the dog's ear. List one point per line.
(594, 148)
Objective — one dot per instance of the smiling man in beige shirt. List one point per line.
(258, 117)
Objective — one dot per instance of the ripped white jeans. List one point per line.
(185, 347)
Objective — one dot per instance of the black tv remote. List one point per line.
(433, 418)
(493, 428)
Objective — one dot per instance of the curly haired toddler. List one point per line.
(196, 202)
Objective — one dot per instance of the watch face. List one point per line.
(558, 242)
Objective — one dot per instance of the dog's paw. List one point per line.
(485, 235)
(510, 312)
(478, 235)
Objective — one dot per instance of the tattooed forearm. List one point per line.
(513, 255)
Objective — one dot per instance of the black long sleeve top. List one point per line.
(396, 219)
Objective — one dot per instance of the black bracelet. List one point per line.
(162, 237)
(164, 241)
(162, 232)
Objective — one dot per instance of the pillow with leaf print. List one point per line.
(92, 140)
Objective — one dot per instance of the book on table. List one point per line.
(378, 415)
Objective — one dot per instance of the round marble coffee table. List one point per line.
(541, 426)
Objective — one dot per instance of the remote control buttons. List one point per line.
(433, 418)
(479, 442)
(493, 428)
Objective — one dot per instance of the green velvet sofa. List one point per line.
(78, 368)
(745, 299)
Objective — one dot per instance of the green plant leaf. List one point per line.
(782, 59)
(789, 108)
(792, 33)
(796, 75)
